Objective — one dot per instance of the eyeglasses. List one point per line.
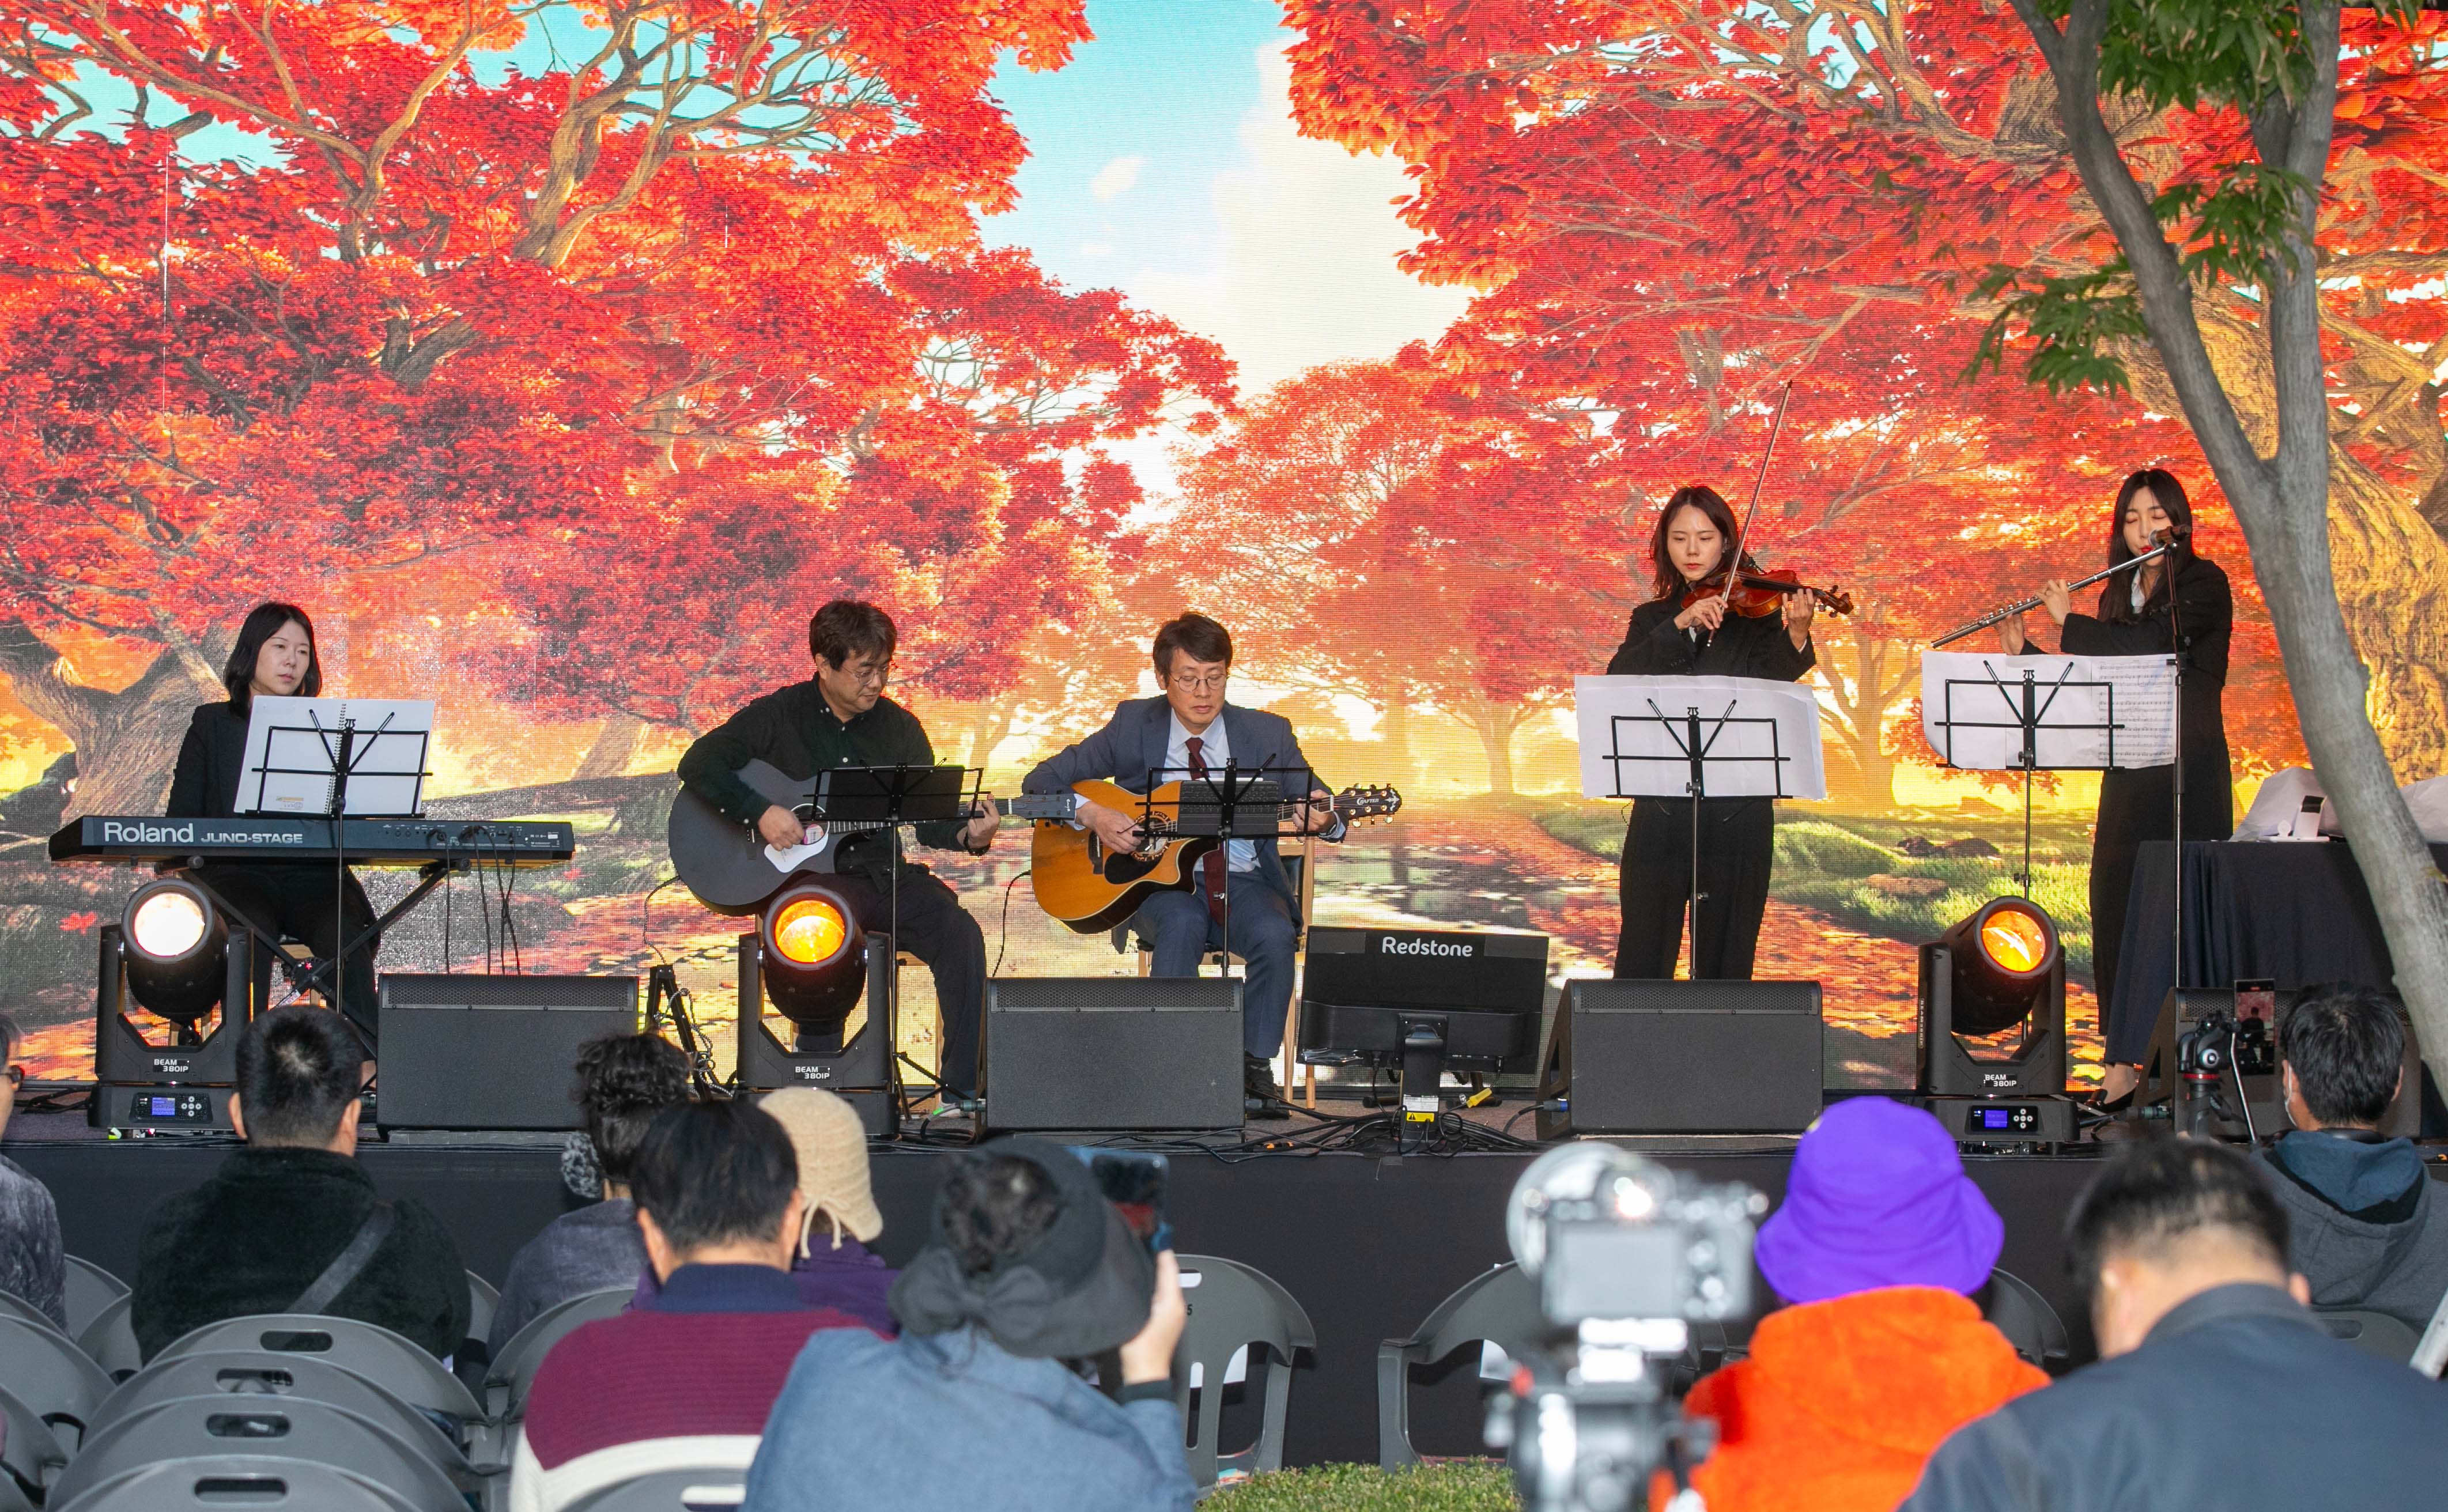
(869, 677)
(1208, 682)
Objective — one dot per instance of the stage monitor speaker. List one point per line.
(477, 1051)
(2183, 1009)
(1657, 1056)
(1113, 1053)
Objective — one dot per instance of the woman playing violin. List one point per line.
(2137, 615)
(1687, 630)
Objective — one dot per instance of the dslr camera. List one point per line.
(1627, 1255)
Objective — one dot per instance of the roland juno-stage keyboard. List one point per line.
(278, 837)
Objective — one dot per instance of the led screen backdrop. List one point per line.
(562, 359)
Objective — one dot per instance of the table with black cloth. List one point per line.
(2295, 912)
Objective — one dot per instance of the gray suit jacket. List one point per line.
(1130, 747)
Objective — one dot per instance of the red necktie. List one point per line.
(1211, 864)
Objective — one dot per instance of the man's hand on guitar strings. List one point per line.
(1120, 831)
(779, 828)
(983, 820)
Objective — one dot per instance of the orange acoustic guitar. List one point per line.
(1092, 887)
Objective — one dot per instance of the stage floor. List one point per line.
(1367, 1243)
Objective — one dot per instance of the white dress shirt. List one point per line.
(1215, 750)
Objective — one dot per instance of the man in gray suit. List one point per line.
(1191, 729)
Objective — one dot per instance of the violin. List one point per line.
(1759, 592)
(1755, 592)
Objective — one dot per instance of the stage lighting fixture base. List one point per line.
(2016, 1124)
(861, 1071)
(124, 1063)
(136, 1112)
(1945, 1069)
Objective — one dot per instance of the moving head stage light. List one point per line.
(812, 957)
(175, 953)
(1993, 1025)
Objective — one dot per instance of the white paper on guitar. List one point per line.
(1617, 718)
(2074, 696)
(298, 738)
(788, 861)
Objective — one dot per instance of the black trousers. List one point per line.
(936, 930)
(2138, 804)
(298, 902)
(1737, 849)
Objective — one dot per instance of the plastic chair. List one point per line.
(253, 1377)
(2383, 1336)
(1498, 1306)
(109, 1340)
(677, 1490)
(43, 1368)
(33, 1457)
(507, 1384)
(222, 1481)
(17, 1308)
(199, 1426)
(2015, 1308)
(91, 1290)
(1235, 1307)
(482, 1297)
(373, 1351)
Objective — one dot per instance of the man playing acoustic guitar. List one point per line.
(839, 719)
(1191, 730)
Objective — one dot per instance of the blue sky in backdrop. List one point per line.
(1163, 163)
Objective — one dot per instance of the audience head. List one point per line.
(301, 1071)
(623, 1081)
(2171, 1219)
(1877, 1197)
(12, 1075)
(715, 1183)
(2342, 1054)
(1024, 1246)
(830, 1145)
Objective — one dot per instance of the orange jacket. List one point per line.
(1842, 1401)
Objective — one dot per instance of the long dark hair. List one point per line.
(1666, 578)
(2171, 494)
(263, 622)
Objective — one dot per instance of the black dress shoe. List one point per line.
(1260, 1097)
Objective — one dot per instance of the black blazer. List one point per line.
(1741, 648)
(2205, 611)
(1132, 743)
(205, 784)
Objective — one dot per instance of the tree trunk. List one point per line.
(615, 744)
(1398, 733)
(1495, 724)
(2281, 501)
(992, 726)
(126, 742)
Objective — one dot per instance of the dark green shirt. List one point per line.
(796, 732)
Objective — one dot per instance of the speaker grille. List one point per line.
(1114, 1053)
(484, 990)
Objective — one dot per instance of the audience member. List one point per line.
(1882, 1354)
(834, 1267)
(33, 1266)
(275, 1228)
(1026, 1266)
(623, 1081)
(693, 1373)
(2364, 1226)
(2215, 1387)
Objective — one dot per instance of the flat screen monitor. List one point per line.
(1364, 993)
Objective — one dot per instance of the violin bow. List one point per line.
(1750, 512)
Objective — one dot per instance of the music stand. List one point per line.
(1695, 739)
(2031, 714)
(368, 756)
(886, 799)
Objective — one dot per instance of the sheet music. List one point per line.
(290, 743)
(2089, 709)
(1768, 748)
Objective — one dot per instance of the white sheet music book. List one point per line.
(1975, 724)
(290, 744)
(1761, 739)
